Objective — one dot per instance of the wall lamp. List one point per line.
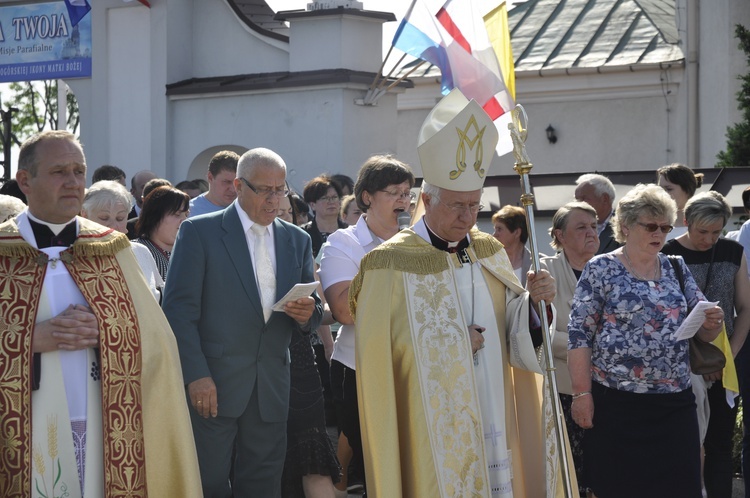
(551, 134)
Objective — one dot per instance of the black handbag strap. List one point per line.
(678, 271)
(681, 277)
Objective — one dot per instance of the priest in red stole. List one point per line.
(92, 400)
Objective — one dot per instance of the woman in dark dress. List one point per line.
(311, 467)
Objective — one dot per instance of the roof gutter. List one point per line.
(577, 71)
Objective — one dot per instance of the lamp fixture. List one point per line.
(551, 136)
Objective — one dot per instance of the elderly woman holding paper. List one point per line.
(630, 374)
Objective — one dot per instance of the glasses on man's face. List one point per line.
(652, 227)
(266, 191)
(462, 208)
(406, 194)
(330, 198)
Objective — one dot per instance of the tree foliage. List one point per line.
(737, 152)
(37, 109)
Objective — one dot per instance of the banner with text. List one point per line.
(38, 42)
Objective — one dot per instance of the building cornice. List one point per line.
(261, 83)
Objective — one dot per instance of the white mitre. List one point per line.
(456, 144)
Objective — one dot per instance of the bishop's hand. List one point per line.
(476, 337)
(541, 286)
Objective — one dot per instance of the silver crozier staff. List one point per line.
(523, 166)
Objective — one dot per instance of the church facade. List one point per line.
(175, 83)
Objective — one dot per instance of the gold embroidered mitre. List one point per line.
(456, 144)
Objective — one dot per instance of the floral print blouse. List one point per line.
(628, 323)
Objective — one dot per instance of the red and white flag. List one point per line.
(454, 36)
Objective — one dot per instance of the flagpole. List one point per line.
(523, 167)
(373, 94)
(380, 71)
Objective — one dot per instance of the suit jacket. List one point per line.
(213, 305)
(607, 242)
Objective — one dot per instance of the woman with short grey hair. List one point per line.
(715, 262)
(108, 203)
(630, 375)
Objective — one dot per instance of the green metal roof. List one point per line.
(565, 35)
(568, 34)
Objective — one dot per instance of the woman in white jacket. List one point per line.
(574, 236)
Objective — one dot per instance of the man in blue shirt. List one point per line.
(221, 173)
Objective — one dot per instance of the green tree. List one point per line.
(737, 152)
(37, 109)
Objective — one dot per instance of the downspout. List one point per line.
(693, 57)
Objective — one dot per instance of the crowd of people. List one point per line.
(167, 340)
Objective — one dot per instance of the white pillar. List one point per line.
(62, 105)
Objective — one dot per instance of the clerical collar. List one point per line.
(52, 234)
(444, 245)
(55, 228)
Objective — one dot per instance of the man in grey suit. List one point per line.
(599, 192)
(234, 350)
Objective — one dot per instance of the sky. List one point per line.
(398, 7)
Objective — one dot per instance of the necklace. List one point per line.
(632, 268)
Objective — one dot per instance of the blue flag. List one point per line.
(77, 10)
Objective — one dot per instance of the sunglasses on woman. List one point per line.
(652, 227)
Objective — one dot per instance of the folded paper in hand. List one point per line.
(693, 321)
(296, 292)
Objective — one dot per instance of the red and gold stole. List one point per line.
(94, 269)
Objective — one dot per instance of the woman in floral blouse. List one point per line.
(630, 377)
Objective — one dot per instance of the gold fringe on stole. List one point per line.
(91, 241)
(20, 250)
(408, 252)
(484, 245)
(12, 244)
(108, 245)
(354, 289)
